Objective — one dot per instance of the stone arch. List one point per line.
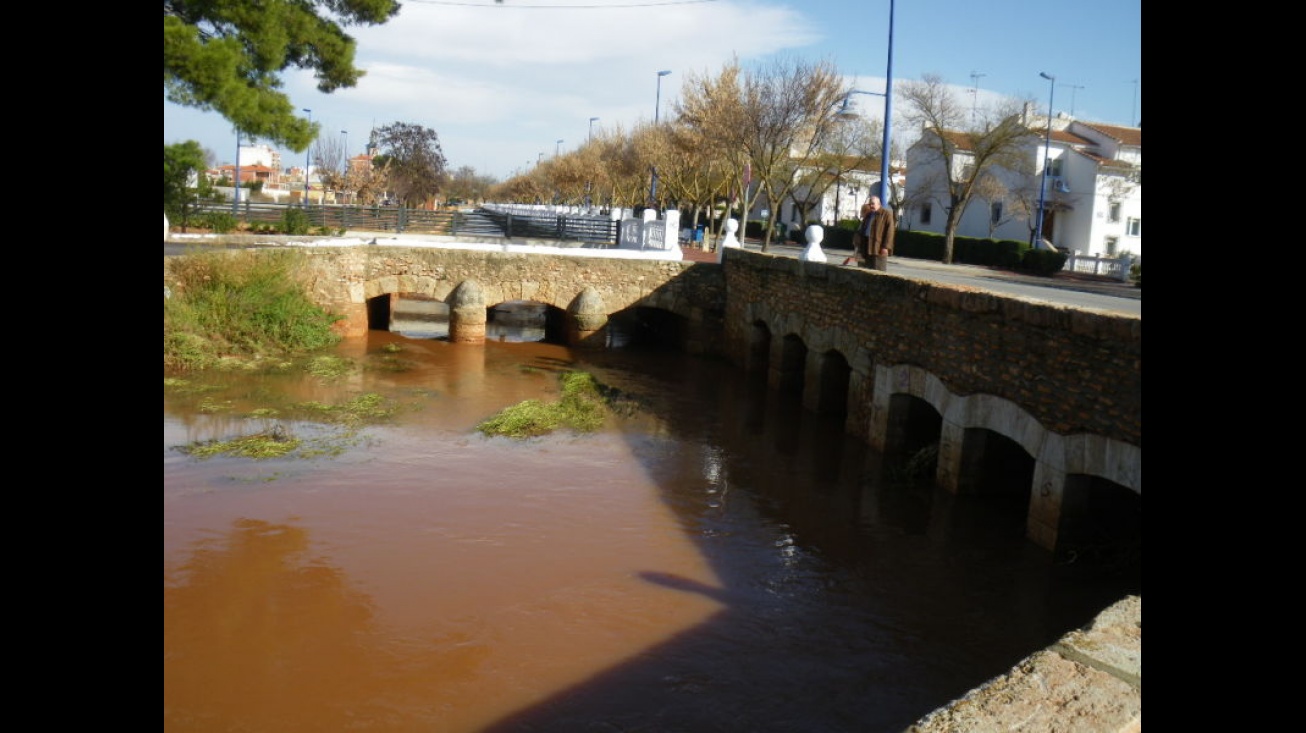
(789, 367)
(1100, 519)
(759, 347)
(649, 325)
(1054, 456)
(994, 464)
(833, 376)
(914, 425)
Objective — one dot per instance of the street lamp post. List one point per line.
(235, 199)
(885, 183)
(1133, 111)
(588, 183)
(557, 147)
(1047, 146)
(657, 110)
(308, 155)
(846, 111)
(344, 145)
(885, 198)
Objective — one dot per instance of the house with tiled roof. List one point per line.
(1092, 199)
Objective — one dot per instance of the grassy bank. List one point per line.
(234, 308)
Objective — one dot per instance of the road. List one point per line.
(1064, 289)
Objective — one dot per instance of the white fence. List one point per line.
(1116, 268)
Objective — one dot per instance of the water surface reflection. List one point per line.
(720, 560)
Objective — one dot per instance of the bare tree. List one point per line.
(791, 110)
(711, 111)
(466, 184)
(1002, 203)
(966, 152)
(692, 172)
(850, 147)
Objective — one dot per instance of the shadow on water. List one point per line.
(904, 601)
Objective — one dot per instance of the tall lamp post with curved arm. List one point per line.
(308, 156)
(235, 199)
(588, 183)
(846, 111)
(1047, 146)
(657, 109)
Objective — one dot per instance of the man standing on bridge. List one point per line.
(877, 227)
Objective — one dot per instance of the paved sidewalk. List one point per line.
(1081, 282)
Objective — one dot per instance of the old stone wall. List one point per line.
(1073, 370)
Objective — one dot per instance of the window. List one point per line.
(1112, 243)
(1053, 167)
(925, 213)
(995, 212)
(1113, 214)
(1134, 227)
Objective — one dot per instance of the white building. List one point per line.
(1092, 201)
(841, 196)
(260, 155)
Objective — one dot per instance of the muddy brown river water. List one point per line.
(719, 560)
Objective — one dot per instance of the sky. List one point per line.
(501, 82)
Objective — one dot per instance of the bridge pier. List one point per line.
(467, 314)
(354, 324)
(1047, 508)
(587, 320)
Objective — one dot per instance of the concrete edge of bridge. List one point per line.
(1091, 680)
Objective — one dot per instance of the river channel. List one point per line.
(717, 559)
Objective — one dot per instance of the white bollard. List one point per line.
(729, 240)
(813, 252)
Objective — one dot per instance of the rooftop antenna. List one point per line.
(974, 93)
(1073, 87)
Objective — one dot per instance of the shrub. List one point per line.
(1042, 262)
(294, 221)
(219, 222)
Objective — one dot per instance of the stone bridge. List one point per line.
(1018, 397)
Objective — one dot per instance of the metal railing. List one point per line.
(549, 225)
(452, 222)
(341, 216)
